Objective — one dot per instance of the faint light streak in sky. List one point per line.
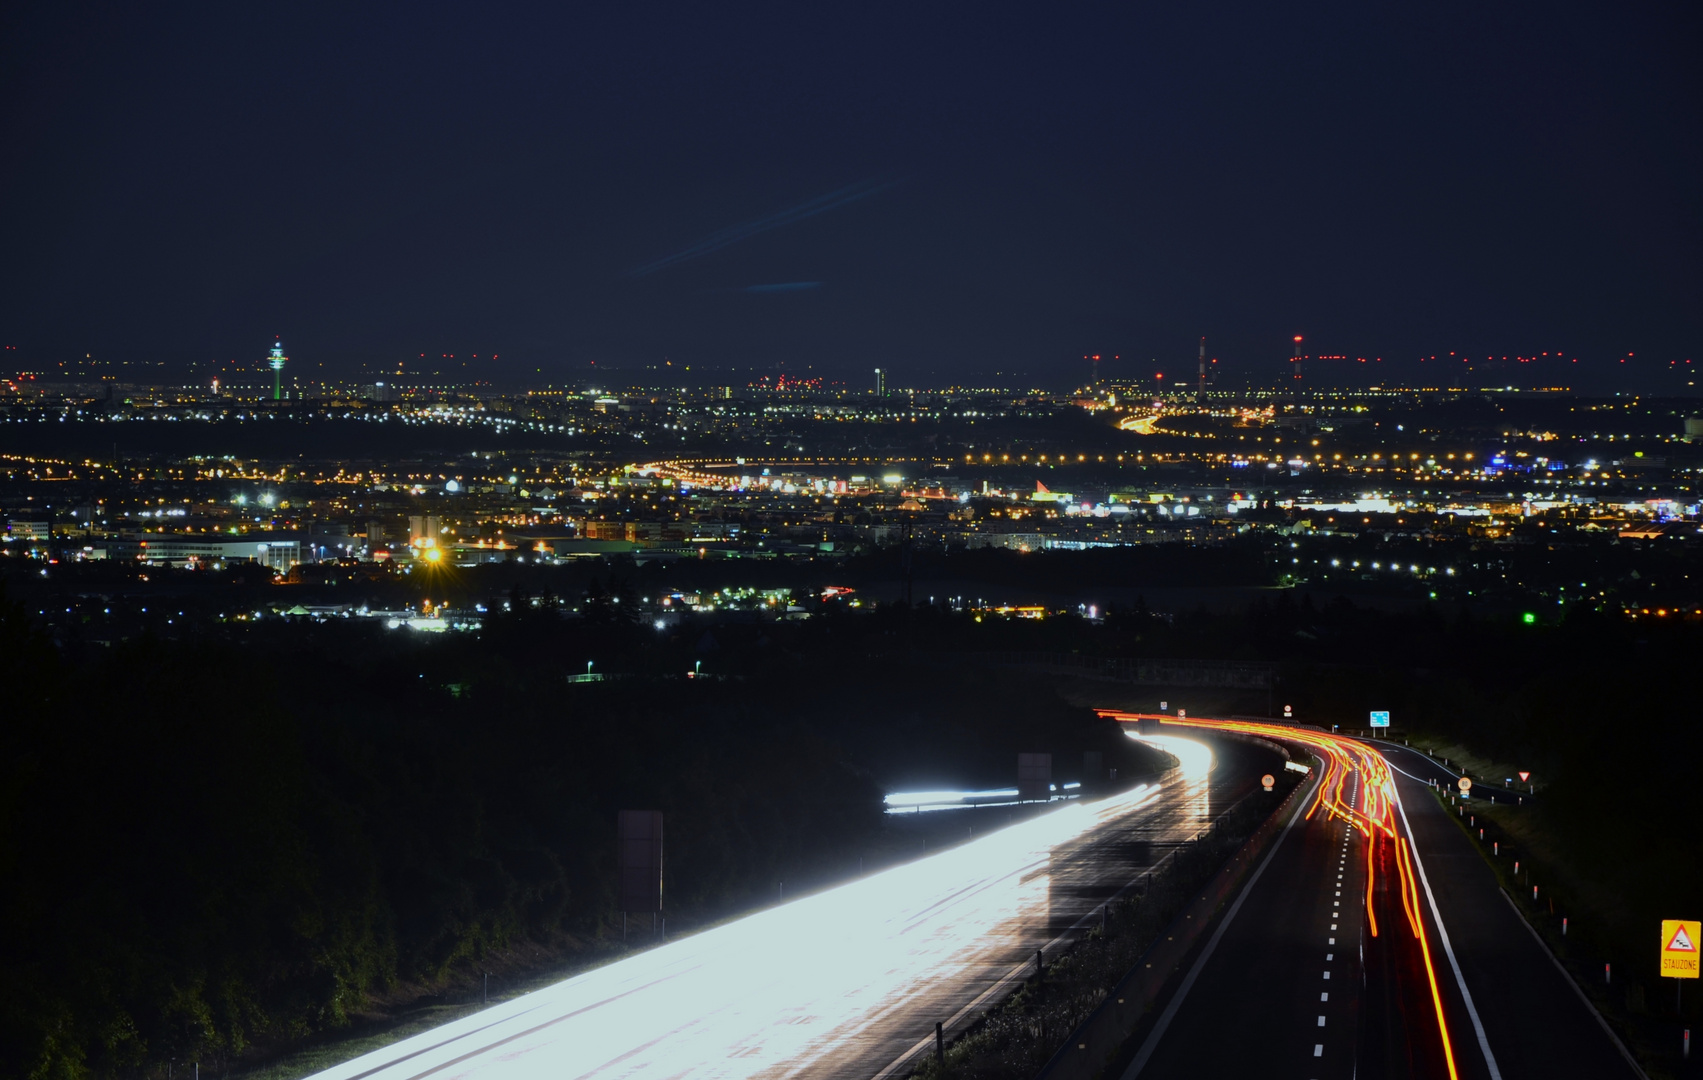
(733, 234)
(783, 287)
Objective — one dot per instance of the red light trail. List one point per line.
(1376, 819)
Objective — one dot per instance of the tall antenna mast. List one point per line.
(1201, 397)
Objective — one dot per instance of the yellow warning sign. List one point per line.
(1680, 938)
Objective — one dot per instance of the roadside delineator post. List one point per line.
(1563, 926)
(940, 1044)
(1608, 973)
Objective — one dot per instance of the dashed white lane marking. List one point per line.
(1321, 1021)
(1333, 926)
(1332, 941)
(1325, 996)
(1318, 1049)
(1327, 974)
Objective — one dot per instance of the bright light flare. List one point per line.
(1194, 758)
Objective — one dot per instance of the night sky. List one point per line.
(944, 192)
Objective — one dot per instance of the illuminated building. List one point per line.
(424, 531)
(279, 553)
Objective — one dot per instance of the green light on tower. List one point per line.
(1528, 618)
(277, 362)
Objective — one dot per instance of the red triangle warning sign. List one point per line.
(1681, 941)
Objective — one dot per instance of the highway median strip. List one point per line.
(1043, 1023)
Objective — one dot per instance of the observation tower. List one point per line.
(277, 361)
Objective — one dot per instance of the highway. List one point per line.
(1535, 1022)
(848, 982)
(1452, 984)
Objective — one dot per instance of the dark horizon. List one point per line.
(941, 197)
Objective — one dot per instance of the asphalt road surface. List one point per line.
(1535, 1022)
(1297, 986)
(848, 982)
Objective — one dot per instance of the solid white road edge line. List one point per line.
(1152, 1041)
(1592, 1009)
(1443, 933)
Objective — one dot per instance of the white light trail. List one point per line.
(835, 984)
(912, 802)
